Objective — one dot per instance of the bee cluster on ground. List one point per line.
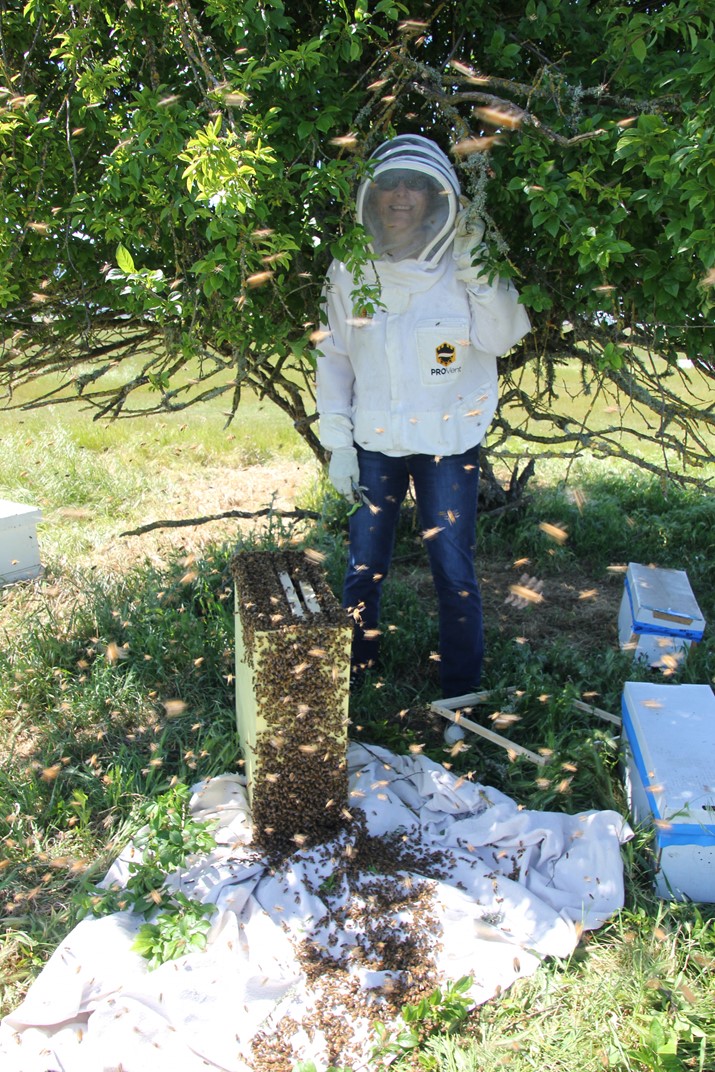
(380, 891)
(295, 668)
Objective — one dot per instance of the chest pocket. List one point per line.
(441, 349)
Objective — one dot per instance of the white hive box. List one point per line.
(19, 551)
(659, 616)
(669, 752)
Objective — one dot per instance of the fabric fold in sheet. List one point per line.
(436, 878)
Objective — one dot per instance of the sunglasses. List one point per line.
(411, 180)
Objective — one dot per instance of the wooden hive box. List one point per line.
(19, 551)
(292, 684)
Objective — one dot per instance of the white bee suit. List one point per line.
(419, 375)
(407, 381)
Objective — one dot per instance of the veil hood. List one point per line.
(412, 153)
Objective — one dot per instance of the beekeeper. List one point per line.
(407, 387)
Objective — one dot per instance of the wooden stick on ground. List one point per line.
(590, 710)
(448, 709)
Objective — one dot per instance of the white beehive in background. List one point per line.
(669, 753)
(19, 550)
(659, 616)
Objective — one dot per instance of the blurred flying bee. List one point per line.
(345, 141)
(468, 72)
(554, 531)
(505, 116)
(258, 279)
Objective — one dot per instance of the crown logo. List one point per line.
(445, 353)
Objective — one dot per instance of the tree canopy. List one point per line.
(175, 179)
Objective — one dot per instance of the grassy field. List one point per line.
(116, 678)
(92, 480)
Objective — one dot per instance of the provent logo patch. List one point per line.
(445, 353)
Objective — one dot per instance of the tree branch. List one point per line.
(185, 522)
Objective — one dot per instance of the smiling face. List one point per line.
(402, 206)
(405, 209)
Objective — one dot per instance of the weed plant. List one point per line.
(114, 687)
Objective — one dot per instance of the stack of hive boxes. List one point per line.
(292, 684)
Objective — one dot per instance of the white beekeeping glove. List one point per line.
(344, 472)
(468, 247)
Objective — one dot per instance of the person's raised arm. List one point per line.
(498, 320)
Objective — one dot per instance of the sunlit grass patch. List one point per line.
(592, 417)
(94, 480)
(634, 997)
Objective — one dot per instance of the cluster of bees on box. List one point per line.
(300, 668)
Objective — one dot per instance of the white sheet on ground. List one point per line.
(479, 887)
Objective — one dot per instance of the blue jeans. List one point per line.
(446, 494)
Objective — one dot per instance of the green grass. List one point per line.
(92, 480)
(610, 517)
(636, 995)
(592, 407)
(114, 682)
(48, 452)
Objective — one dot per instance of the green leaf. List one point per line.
(125, 260)
(639, 49)
(146, 939)
(612, 357)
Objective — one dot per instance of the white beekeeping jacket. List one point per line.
(418, 375)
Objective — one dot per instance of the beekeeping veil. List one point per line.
(418, 163)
